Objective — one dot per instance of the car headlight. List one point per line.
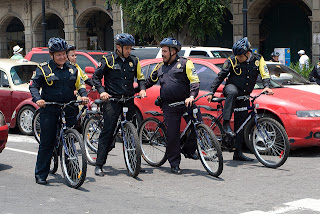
(2, 119)
(312, 113)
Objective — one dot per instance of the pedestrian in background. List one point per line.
(314, 75)
(304, 59)
(16, 52)
(274, 57)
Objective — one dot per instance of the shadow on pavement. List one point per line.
(5, 167)
(306, 152)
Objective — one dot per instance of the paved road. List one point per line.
(246, 188)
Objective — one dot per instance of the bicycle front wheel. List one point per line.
(152, 138)
(270, 142)
(73, 159)
(209, 150)
(131, 149)
(36, 125)
(215, 126)
(92, 130)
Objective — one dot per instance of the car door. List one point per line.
(5, 96)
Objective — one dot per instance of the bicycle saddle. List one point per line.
(99, 101)
(154, 113)
(218, 99)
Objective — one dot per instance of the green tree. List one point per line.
(188, 21)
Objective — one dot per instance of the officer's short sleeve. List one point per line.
(191, 72)
(263, 69)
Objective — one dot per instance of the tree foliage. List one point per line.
(163, 18)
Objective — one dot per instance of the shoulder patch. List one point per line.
(43, 64)
(225, 64)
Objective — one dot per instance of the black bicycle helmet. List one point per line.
(71, 48)
(57, 45)
(124, 39)
(275, 54)
(171, 42)
(241, 47)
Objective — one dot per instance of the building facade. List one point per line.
(87, 24)
(91, 24)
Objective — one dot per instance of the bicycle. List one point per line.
(81, 118)
(152, 136)
(264, 136)
(127, 130)
(70, 147)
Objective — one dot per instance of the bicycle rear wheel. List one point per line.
(54, 161)
(131, 149)
(152, 138)
(36, 125)
(209, 150)
(73, 159)
(270, 142)
(92, 130)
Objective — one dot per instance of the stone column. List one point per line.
(253, 32)
(237, 21)
(3, 45)
(81, 38)
(315, 22)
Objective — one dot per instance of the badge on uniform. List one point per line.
(179, 65)
(257, 63)
(130, 64)
(71, 71)
(33, 74)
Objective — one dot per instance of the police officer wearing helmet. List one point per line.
(119, 70)
(241, 71)
(179, 82)
(57, 80)
(274, 57)
(314, 75)
(72, 57)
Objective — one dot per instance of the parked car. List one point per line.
(87, 60)
(14, 93)
(3, 132)
(145, 52)
(212, 52)
(298, 111)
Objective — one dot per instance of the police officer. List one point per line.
(314, 75)
(119, 70)
(58, 79)
(72, 57)
(242, 70)
(179, 82)
(274, 57)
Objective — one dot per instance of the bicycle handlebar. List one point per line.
(183, 102)
(63, 104)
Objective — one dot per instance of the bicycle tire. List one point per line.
(269, 142)
(209, 150)
(215, 126)
(54, 161)
(36, 125)
(73, 158)
(131, 149)
(92, 130)
(152, 138)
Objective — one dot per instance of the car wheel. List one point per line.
(24, 120)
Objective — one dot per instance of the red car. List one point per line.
(297, 110)
(3, 132)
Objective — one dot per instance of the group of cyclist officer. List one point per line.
(178, 79)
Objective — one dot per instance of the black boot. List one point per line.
(227, 129)
(239, 156)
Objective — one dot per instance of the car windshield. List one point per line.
(22, 73)
(96, 57)
(221, 54)
(145, 53)
(284, 75)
